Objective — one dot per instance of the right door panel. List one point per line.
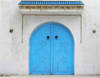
(63, 53)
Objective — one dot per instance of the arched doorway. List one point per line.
(51, 50)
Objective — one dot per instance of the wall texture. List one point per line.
(14, 46)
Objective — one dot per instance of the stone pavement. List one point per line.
(49, 76)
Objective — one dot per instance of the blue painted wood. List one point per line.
(63, 61)
(39, 58)
(54, 55)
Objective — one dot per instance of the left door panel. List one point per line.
(39, 57)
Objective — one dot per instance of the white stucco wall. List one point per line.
(14, 54)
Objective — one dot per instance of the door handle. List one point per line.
(48, 37)
(56, 37)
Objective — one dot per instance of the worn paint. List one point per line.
(22, 31)
(44, 6)
(50, 7)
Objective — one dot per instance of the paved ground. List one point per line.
(49, 76)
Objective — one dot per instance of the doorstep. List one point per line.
(48, 76)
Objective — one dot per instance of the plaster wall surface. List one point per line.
(14, 47)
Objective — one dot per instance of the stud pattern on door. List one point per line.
(51, 50)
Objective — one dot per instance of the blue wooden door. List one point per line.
(51, 50)
(63, 50)
(40, 50)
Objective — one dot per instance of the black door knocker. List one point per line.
(48, 37)
(56, 37)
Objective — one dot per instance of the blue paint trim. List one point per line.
(51, 3)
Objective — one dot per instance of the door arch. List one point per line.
(51, 50)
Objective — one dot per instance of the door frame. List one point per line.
(66, 20)
(51, 37)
